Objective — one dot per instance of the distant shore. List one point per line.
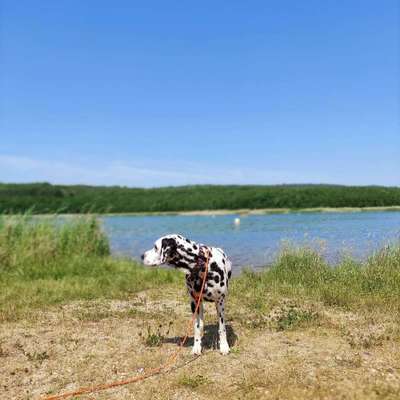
(243, 211)
(43, 198)
(261, 211)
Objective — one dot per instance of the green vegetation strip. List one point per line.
(43, 198)
(46, 262)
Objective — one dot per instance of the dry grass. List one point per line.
(334, 354)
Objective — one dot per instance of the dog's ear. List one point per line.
(168, 249)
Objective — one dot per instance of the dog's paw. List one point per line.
(196, 350)
(224, 349)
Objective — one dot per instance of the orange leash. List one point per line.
(150, 372)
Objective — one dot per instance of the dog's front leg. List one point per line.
(198, 328)
(223, 343)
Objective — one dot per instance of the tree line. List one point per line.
(47, 198)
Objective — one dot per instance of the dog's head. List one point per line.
(163, 251)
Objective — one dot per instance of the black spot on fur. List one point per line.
(181, 264)
(229, 274)
(169, 246)
(187, 259)
(222, 320)
(223, 261)
(195, 247)
(214, 267)
(222, 284)
(197, 285)
(216, 279)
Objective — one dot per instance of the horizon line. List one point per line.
(197, 185)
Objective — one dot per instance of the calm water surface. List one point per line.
(258, 238)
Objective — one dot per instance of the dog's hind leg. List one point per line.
(223, 343)
(198, 327)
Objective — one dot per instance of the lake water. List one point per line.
(258, 238)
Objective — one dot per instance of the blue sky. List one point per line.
(162, 93)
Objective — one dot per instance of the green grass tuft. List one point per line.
(302, 273)
(194, 381)
(44, 263)
(29, 245)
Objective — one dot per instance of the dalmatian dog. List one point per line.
(190, 258)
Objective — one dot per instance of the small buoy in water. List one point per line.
(237, 221)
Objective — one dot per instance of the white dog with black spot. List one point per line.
(190, 257)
